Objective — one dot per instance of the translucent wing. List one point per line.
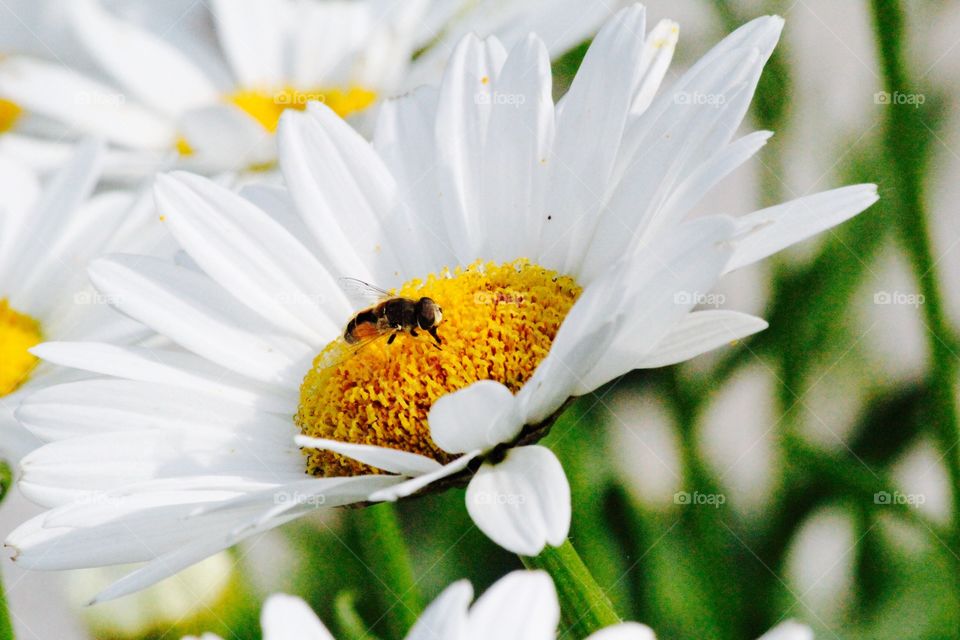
(362, 294)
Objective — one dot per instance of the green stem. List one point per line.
(903, 133)
(584, 606)
(381, 544)
(6, 624)
(351, 624)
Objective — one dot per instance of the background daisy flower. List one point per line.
(49, 230)
(218, 110)
(465, 197)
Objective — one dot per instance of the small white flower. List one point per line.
(522, 605)
(553, 238)
(160, 103)
(49, 230)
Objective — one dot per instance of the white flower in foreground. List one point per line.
(521, 605)
(161, 104)
(559, 254)
(48, 232)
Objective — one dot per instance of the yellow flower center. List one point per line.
(498, 324)
(18, 333)
(183, 147)
(266, 107)
(10, 112)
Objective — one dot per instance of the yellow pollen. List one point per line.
(266, 107)
(498, 324)
(18, 333)
(10, 112)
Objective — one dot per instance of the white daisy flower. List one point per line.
(521, 605)
(48, 232)
(551, 239)
(162, 104)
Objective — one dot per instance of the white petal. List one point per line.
(514, 167)
(330, 169)
(446, 616)
(223, 137)
(769, 230)
(523, 502)
(662, 284)
(383, 458)
(590, 126)
(712, 172)
(251, 35)
(288, 618)
(700, 332)
(61, 94)
(200, 316)
(252, 256)
(522, 605)
(463, 114)
(175, 368)
(405, 140)
(179, 559)
(73, 468)
(58, 273)
(21, 189)
(410, 487)
(624, 631)
(48, 217)
(89, 407)
(789, 630)
(153, 70)
(480, 416)
(301, 495)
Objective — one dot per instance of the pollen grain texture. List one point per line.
(498, 324)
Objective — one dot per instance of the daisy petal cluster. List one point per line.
(556, 239)
(49, 230)
(522, 605)
(161, 103)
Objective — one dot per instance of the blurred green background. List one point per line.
(807, 473)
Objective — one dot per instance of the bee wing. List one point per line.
(361, 293)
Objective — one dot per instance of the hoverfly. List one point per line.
(392, 315)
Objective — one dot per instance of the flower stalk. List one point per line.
(584, 605)
(904, 128)
(6, 624)
(387, 558)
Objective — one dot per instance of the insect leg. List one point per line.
(393, 336)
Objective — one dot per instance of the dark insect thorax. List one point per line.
(400, 312)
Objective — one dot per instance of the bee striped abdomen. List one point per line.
(362, 326)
